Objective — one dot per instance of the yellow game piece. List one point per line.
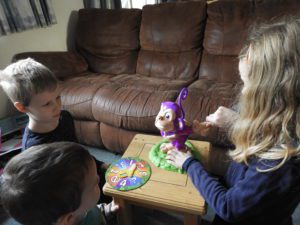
(131, 170)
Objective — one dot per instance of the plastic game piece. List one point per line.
(170, 121)
(175, 131)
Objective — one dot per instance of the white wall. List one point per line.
(53, 38)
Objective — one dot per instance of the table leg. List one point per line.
(124, 214)
(190, 219)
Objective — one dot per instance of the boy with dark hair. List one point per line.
(58, 188)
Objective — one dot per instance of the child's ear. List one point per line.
(66, 219)
(20, 107)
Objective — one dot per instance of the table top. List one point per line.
(165, 189)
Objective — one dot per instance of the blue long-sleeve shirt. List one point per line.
(247, 196)
(65, 131)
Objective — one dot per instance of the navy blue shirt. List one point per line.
(249, 197)
(65, 131)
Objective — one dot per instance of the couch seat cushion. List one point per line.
(133, 101)
(77, 94)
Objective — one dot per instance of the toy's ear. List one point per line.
(20, 107)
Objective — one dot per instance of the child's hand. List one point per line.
(202, 128)
(177, 158)
(222, 117)
(165, 147)
(110, 209)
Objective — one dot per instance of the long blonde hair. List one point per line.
(269, 122)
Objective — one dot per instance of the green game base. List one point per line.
(158, 158)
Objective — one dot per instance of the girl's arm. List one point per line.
(251, 190)
(248, 192)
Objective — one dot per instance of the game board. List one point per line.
(128, 173)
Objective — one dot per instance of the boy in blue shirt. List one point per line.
(58, 188)
(34, 90)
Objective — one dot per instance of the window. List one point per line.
(116, 4)
(138, 3)
(20, 15)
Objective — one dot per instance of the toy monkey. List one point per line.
(170, 121)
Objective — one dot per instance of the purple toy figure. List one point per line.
(170, 121)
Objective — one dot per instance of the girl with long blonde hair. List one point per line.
(262, 183)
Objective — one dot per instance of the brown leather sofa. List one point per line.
(128, 61)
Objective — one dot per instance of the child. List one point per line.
(58, 188)
(262, 183)
(34, 90)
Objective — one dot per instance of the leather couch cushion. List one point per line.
(205, 96)
(78, 92)
(116, 139)
(88, 133)
(109, 39)
(132, 101)
(171, 38)
(219, 84)
(228, 21)
(227, 27)
(219, 68)
(70, 63)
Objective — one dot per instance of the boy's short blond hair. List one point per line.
(25, 78)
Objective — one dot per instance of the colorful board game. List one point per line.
(128, 173)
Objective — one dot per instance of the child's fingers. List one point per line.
(196, 122)
(170, 147)
(171, 162)
(202, 125)
(170, 157)
(166, 147)
(211, 118)
(114, 207)
(172, 153)
(207, 124)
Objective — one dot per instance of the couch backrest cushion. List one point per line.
(227, 27)
(171, 38)
(62, 64)
(109, 39)
(228, 21)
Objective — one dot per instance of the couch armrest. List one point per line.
(62, 64)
